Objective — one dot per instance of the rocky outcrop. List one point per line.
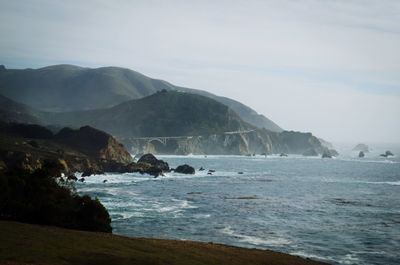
(185, 169)
(387, 153)
(85, 150)
(94, 143)
(310, 152)
(251, 142)
(153, 161)
(361, 154)
(326, 154)
(329, 153)
(333, 152)
(361, 147)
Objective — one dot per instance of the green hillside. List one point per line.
(70, 88)
(167, 113)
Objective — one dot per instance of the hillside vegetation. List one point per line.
(161, 114)
(70, 88)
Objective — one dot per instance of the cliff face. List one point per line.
(28, 146)
(253, 142)
(94, 143)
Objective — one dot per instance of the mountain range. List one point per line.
(61, 88)
(143, 112)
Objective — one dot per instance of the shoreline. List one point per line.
(36, 244)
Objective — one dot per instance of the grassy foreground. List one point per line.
(32, 244)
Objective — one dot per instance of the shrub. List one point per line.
(38, 198)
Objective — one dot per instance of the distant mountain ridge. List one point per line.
(63, 88)
(208, 126)
(166, 113)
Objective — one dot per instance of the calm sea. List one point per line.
(344, 210)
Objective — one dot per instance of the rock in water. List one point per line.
(282, 154)
(361, 154)
(185, 169)
(387, 153)
(152, 160)
(361, 147)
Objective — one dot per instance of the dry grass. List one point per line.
(32, 244)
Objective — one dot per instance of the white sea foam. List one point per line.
(311, 256)
(393, 183)
(202, 215)
(174, 206)
(272, 241)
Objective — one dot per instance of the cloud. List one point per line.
(308, 65)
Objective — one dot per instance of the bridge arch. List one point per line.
(158, 139)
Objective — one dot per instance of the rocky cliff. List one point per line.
(86, 149)
(250, 142)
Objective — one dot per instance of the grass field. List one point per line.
(22, 244)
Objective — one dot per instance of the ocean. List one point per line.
(344, 210)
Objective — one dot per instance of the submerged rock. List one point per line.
(185, 169)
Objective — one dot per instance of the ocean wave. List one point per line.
(114, 178)
(362, 160)
(174, 206)
(253, 240)
(393, 183)
(311, 256)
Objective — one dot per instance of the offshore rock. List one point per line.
(153, 161)
(387, 153)
(185, 169)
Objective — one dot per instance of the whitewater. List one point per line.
(344, 210)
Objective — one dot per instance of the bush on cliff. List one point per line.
(38, 198)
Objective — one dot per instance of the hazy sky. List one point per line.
(329, 67)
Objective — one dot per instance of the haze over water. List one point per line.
(344, 210)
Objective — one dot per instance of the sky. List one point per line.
(327, 67)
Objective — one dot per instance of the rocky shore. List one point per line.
(86, 150)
